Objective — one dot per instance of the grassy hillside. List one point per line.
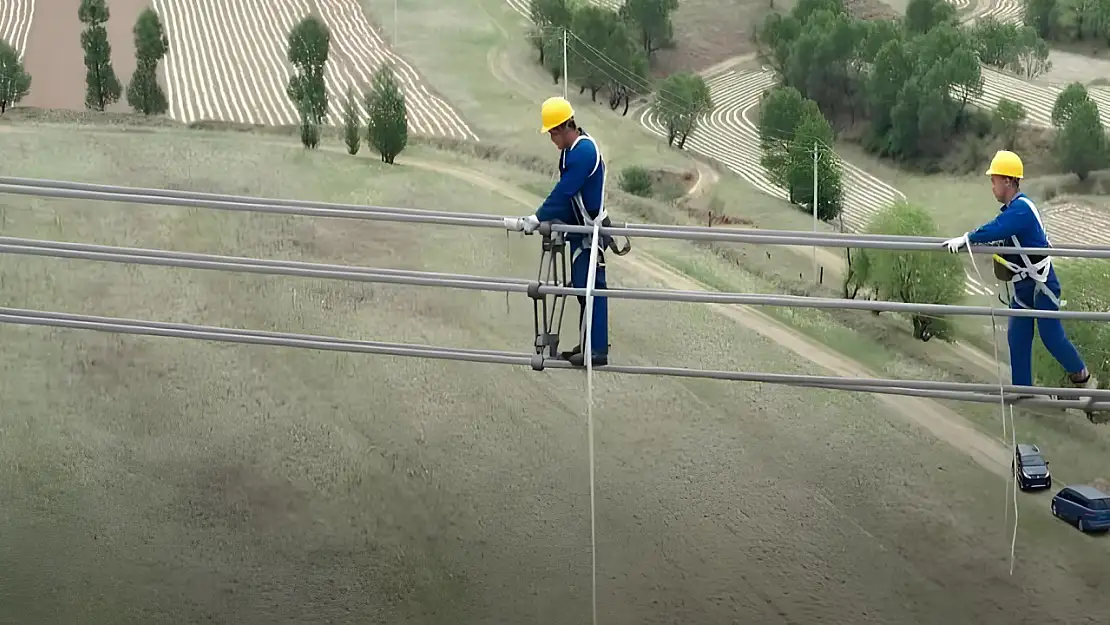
(155, 480)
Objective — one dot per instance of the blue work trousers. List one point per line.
(1019, 333)
(579, 274)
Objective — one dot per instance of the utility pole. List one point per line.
(394, 25)
(565, 96)
(816, 156)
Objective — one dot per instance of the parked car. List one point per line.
(1086, 506)
(1032, 468)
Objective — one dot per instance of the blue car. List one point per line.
(1086, 506)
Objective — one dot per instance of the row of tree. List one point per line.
(1085, 21)
(602, 50)
(102, 86)
(795, 138)
(911, 80)
(386, 122)
(605, 50)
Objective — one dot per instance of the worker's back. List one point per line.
(585, 155)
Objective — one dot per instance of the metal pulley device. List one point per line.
(547, 309)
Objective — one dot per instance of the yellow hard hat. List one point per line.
(555, 111)
(1006, 163)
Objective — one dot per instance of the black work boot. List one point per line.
(578, 359)
(567, 355)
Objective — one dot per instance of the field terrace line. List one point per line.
(15, 23)
(227, 61)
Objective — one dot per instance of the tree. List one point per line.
(814, 133)
(15, 83)
(310, 130)
(102, 87)
(549, 17)
(922, 277)
(1081, 144)
(1069, 99)
(790, 129)
(1008, 116)
(144, 94)
(925, 15)
(551, 56)
(597, 33)
(352, 123)
(652, 20)
(388, 129)
(1041, 16)
(309, 44)
(682, 99)
(151, 43)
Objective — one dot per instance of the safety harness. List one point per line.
(579, 203)
(1013, 268)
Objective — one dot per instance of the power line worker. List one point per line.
(578, 199)
(1035, 286)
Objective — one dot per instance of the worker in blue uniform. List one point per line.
(1035, 286)
(578, 199)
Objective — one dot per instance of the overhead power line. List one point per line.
(979, 393)
(189, 260)
(81, 191)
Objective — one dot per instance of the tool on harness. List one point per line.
(611, 242)
(1034, 267)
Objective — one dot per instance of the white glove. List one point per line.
(955, 245)
(527, 225)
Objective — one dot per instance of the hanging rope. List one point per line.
(1013, 479)
(588, 349)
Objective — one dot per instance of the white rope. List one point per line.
(1012, 481)
(588, 351)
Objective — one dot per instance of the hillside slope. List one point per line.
(182, 481)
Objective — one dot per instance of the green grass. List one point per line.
(183, 481)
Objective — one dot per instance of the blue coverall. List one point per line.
(1018, 223)
(576, 200)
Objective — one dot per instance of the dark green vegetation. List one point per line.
(102, 87)
(921, 277)
(309, 45)
(611, 51)
(637, 181)
(144, 94)
(795, 138)
(387, 129)
(902, 86)
(15, 82)
(1070, 21)
(352, 137)
(1081, 143)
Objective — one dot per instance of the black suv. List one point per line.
(1032, 468)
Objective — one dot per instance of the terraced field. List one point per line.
(729, 135)
(15, 22)
(227, 62)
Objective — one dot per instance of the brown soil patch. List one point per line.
(710, 31)
(56, 62)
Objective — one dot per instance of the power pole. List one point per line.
(816, 157)
(565, 96)
(394, 25)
